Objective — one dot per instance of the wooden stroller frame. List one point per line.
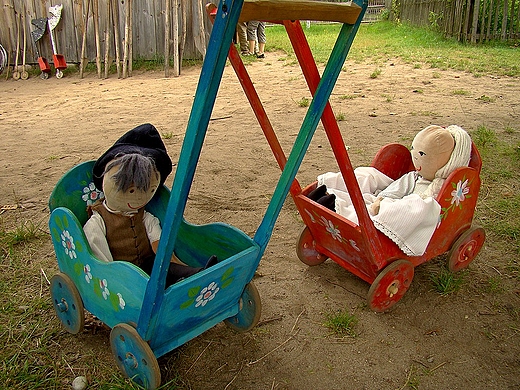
(362, 249)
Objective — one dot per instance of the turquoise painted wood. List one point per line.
(115, 292)
(209, 82)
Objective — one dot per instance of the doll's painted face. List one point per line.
(431, 150)
(133, 198)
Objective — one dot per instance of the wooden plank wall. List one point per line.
(148, 36)
(466, 20)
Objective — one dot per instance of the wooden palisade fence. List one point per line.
(108, 30)
(466, 20)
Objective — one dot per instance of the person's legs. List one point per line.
(242, 37)
(252, 27)
(261, 39)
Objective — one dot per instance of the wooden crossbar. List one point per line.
(278, 10)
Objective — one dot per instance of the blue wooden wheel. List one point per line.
(67, 303)
(134, 357)
(250, 308)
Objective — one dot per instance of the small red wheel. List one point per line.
(306, 249)
(390, 285)
(466, 248)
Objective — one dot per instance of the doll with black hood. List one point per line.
(119, 228)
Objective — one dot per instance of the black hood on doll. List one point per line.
(143, 139)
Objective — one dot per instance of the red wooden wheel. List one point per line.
(466, 248)
(390, 285)
(306, 249)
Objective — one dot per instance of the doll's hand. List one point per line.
(374, 207)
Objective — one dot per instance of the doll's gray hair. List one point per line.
(135, 169)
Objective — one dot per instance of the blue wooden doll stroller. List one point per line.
(148, 320)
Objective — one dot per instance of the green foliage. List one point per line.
(304, 102)
(379, 41)
(446, 282)
(341, 323)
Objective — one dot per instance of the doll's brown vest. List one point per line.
(126, 236)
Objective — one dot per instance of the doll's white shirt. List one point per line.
(95, 231)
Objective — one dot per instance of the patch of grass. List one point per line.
(484, 137)
(417, 46)
(347, 97)
(460, 92)
(342, 323)
(495, 285)
(304, 102)
(168, 135)
(446, 282)
(340, 117)
(375, 74)
(486, 99)
(24, 232)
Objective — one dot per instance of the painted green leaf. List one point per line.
(227, 282)
(78, 269)
(114, 300)
(56, 234)
(228, 273)
(194, 291)
(187, 304)
(79, 247)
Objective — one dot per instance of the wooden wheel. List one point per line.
(134, 357)
(466, 248)
(67, 303)
(390, 285)
(306, 249)
(250, 308)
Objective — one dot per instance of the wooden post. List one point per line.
(127, 35)
(115, 20)
(182, 39)
(83, 42)
(167, 38)
(176, 71)
(474, 23)
(96, 34)
(504, 20)
(107, 38)
(130, 37)
(490, 14)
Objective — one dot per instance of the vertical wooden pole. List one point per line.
(130, 37)
(95, 13)
(115, 19)
(108, 26)
(466, 21)
(127, 35)
(504, 19)
(83, 42)
(474, 23)
(490, 14)
(167, 7)
(182, 39)
(176, 71)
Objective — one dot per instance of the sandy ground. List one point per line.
(465, 340)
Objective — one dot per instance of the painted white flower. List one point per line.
(88, 274)
(354, 245)
(459, 194)
(122, 302)
(91, 194)
(68, 244)
(104, 288)
(207, 294)
(333, 230)
(310, 216)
